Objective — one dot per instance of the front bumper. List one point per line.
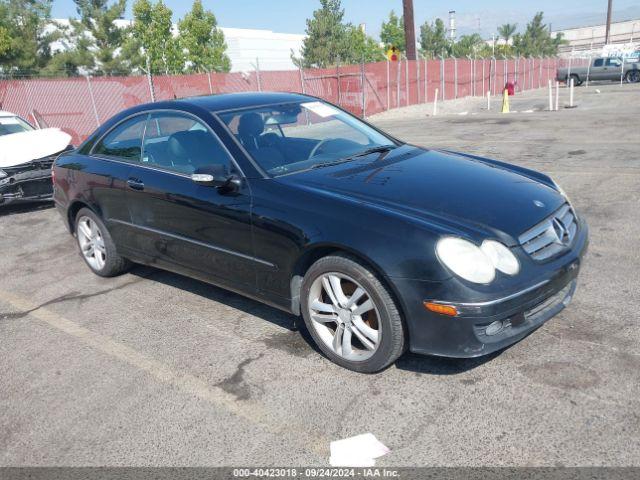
(26, 183)
(517, 313)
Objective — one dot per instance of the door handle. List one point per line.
(135, 184)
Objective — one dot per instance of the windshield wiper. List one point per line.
(378, 149)
(332, 163)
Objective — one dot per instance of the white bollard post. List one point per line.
(435, 103)
(550, 96)
(571, 93)
(557, 94)
(488, 101)
(483, 74)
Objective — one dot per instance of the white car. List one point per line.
(26, 156)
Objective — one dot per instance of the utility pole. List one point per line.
(608, 31)
(409, 29)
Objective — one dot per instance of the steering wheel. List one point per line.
(319, 145)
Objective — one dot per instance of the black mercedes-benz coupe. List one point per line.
(379, 245)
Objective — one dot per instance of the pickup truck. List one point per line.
(609, 68)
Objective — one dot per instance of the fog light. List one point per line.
(449, 310)
(494, 328)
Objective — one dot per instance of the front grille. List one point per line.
(552, 236)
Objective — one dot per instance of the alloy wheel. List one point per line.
(91, 243)
(344, 316)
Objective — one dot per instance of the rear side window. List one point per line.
(181, 143)
(124, 141)
(613, 62)
(598, 63)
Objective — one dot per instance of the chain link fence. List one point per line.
(79, 104)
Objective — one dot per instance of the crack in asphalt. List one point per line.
(236, 384)
(74, 295)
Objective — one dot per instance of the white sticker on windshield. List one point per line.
(9, 121)
(321, 109)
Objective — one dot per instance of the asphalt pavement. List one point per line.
(152, 368)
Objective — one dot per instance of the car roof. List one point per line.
(4, 113)
(233, 101)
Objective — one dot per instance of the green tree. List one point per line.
(75, 59)
(506, 31)
(202, 41)
(5, 35)
(98, 22)
(536, 40)
(359, 47)
(433, 39)
(392, 32)
(467, 45)
(150, 43)
(24, 43)
(325, 38)
(5, 40)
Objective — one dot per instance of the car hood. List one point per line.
(19, 148)
(444, 187)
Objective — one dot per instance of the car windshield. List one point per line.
(9, 125)
(289, 138)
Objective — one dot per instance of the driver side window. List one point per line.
(180, 143)
(124, 141)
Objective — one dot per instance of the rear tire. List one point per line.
(351, 314)
(633, 76)
(96, 245)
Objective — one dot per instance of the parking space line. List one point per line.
(162, 372)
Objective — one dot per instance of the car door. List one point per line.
(184, 226)
(597, 69)
(107, 174)
(612, 68)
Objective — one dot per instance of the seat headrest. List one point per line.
(251, 124)
(187, 144)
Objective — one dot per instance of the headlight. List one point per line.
(3, 174)
(476, 264)
(466, 260)
(501, 257)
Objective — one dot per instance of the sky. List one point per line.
(483, 16)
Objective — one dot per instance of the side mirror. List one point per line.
(226, 183)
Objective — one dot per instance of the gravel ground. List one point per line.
(152, 368)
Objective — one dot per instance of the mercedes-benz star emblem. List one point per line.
(561, 232)
(538, 203)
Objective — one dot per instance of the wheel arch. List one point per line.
(72, 212)
(315, 252)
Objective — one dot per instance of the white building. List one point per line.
(592, 38)
(273, 50)
(245, 47)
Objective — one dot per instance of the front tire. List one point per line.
(576, 80)
(97, 247)
(351, 314)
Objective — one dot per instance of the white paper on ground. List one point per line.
(358, 451)
(321, 109)
(17, 148)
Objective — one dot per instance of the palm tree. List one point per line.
(507, 30)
